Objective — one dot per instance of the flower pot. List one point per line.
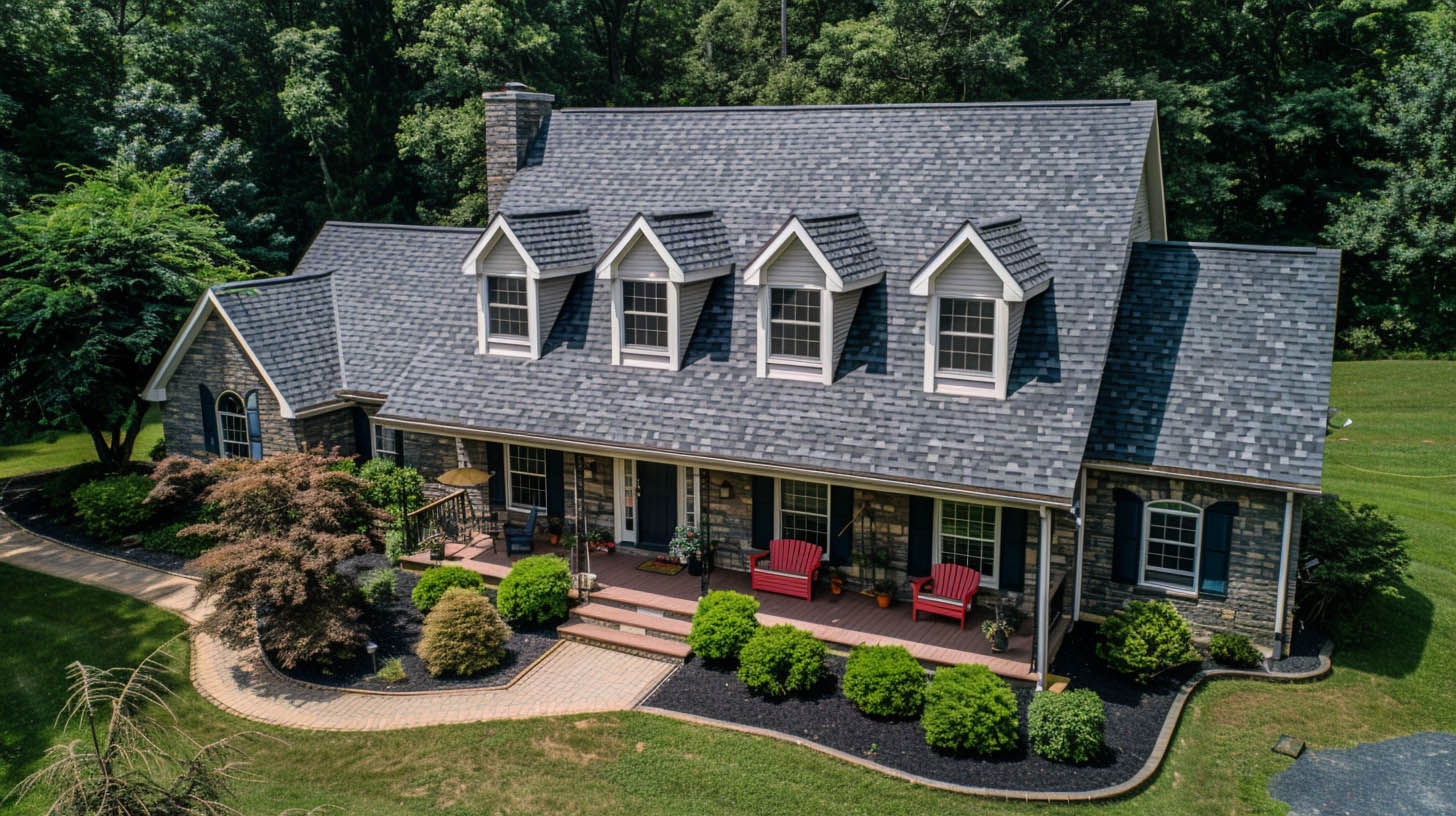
(883, 599)
(555, 539)
(998, 642)
(695, 565)
(836, 585)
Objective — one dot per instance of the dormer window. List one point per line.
(976, 288)
(810, 277)
(525, 265)
(661, 268)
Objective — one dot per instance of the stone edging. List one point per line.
(1136, 781)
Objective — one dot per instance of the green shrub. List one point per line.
(1145, 639)
(435, 580)
(463, 635)
(159, 450)
(391, 672)
(1232, 649)
(534, 592)
(110, 509)
(348, 466)
(167, 540)
(378, 587)
(969, 710)
(722, 624)
(394, 548)
(1066, 727)
(885, 681)
(781, 660)
(386, 481)
(1348, 554)
(56, 490)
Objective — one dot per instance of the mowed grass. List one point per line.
(70, 449)
(1393, 679)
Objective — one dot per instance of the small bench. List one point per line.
(792, 568)
(947, 591)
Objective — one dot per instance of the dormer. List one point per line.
(810, 277)
(976, 288)
(661, 268)
(525, 264)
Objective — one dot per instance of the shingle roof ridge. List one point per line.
(220, 288)
(1005, 219)
(1264, 248)
(414, 227)
(1030, 103)
(679, 212)
(546, 213)
(828, 215)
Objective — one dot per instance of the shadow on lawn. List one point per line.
(1387, 636)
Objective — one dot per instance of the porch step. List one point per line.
(642, 645)
(638, 601)
(615, 617)
(492, 573)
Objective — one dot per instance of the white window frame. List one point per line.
(936, 550)
(778, 366)
(222, 439)
(668, 299)
(998, 349)
(966, 383)
(379, 451)
(828, 510)
(511, 502)
(1179, 508)
(689, 496)
(491, 334)
(799, 359)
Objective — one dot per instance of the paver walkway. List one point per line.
(573, 678)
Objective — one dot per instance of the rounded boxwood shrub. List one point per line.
(435, 580)
(1233, 649)
(110, 509)
(722, 623)
(463, 635)
(1066, 727)
(969, 710)
(884, 681)
(56, 490)
(781, 660)
(535, 590)
(1145, 639)
(378, 587)
(167, 540)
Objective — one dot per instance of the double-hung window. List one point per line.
(386, 443)
(1170, 545)
(966, 535)
(232, 424)
(793, 323)
(509, 312)
(527, 480)
(967, 340)
(804, 512)
(644, 314)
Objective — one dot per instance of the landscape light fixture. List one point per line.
(371, 647)
(726, 491)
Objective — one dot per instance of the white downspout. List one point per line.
(1081, 532)
(1043, 578)
(1283, 575)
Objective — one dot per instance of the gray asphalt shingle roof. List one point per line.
(1221, 361)
(1012, 244)
(846, 244)
(555, 238)
(696, 239)
(289, 324)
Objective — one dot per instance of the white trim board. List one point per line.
(791, 230)
(967, 236)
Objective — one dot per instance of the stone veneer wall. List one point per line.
(1253, 557)
(333, 431)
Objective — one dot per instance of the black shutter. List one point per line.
(922, 536)
(363, 442)
(495, 462)
(763, 511)
(209, 420)
(1218, 534)
(1127, 536)
(841, 532)
(1013, 550)
(555, 492)
(255, 426)
(399, 447)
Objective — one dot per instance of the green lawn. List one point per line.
(1397, 679)
(70, 449)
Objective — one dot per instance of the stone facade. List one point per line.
(333, 431)
(1253, 576)
(513, 117)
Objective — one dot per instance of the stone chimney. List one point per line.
(514, 115)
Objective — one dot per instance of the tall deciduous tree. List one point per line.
(311, 98)
(96, 280)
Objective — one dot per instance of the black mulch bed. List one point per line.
(396, 629)
(1134, 717)
(23, 502)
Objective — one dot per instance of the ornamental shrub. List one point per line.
(56, 490)
(969, 710)
(394, 541)
(1145, 639)
(1347, 554)
(1233, 649)
(463, 635)
(378, 587)
(781, 660)
(390, 672)
(435, 580)
(535, 591)
(168, 540)
(884, 681)
(722, 624)
(1066, 727)
(110, 509)
(386, 481)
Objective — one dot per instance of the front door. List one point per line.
(656, 504)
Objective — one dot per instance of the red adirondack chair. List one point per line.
(792, 567)
(948, 591)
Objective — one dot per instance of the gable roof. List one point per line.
(555, 239)
(1013, 246)
(289, 325)
(839, 243)
(1221, 361)
(696, 240)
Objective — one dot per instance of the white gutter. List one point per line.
(1081, 533)
(1043, 595)
(1279, 644)
(1200, 476)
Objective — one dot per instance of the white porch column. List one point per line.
(1043, 595)
(1282, 598)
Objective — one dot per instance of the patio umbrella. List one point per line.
(464, 477)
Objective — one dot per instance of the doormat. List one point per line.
(660, 567)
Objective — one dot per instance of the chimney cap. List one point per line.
(517, 86)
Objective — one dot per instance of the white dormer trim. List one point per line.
(794, 229)
(554, 281)
(967, 236)
(497, 230)
(638, 229)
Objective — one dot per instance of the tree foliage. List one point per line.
(1348, 554)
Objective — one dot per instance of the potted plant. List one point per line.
(687, 547)
(997, 631)
(568, 541)
(600, 541)
(554, 525)
(836, 580)
(884, 592)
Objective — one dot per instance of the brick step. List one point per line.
(629, 642)
(492, 573)
(638, 601)
(615, 617)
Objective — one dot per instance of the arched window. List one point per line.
(1171, 534)
(232, 425)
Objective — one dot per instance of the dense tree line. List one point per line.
(1311, 122)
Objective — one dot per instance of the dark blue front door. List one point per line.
(656, 504)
